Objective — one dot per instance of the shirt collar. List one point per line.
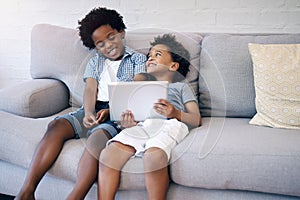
(128, 51)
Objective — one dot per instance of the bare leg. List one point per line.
(88, 164)
(45, 155)
(112, 159)
(156, 173)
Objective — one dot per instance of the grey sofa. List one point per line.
(225, 158)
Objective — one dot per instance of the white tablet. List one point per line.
(136, 96)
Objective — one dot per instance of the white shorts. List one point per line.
(160, 133)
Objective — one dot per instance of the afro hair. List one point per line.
(178, 52)
(94, 19)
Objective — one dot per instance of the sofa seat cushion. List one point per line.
(65, 167)
(18, 143)
(228, 153)
(19, 137)
(244, 156)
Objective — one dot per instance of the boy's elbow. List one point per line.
(200, 121)
(197, 123)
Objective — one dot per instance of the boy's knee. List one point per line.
(107, 158)
(56, 123)
(116, 155)
(155, 159)
(104, 156)
(60, 128)
(97, 139)
(96, 142)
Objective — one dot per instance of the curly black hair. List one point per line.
(178, 52)
(94, 19)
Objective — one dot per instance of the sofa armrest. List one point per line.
(35, 98)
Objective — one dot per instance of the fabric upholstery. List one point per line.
(19, 137)
(229, 153)
(35, 98)
(13, 179)
(226, 83)
(58, 53)
(17, 147)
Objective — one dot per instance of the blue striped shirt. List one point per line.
(132, 63)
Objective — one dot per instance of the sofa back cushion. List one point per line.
(58, 53)
(226, 86)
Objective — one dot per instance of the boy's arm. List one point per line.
(89, 99)
(191, 117)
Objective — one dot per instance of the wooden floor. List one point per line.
(6, 197)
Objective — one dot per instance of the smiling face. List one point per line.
(160, 63)
(109, 42)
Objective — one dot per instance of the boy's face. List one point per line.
(159, 60)
(109, 42)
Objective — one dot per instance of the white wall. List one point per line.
(17, 18)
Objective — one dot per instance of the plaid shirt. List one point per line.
(132, 63)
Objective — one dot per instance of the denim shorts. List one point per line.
(76, 120)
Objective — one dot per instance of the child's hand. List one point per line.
(89, 120)
(165, 108)
(127, 119)
(102, 115)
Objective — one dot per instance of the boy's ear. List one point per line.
(174, 67)
(122, 34)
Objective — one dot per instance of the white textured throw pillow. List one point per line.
(276, 69)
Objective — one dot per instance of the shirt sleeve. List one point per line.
(188, 94)
(140, 63)
(91, 70)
